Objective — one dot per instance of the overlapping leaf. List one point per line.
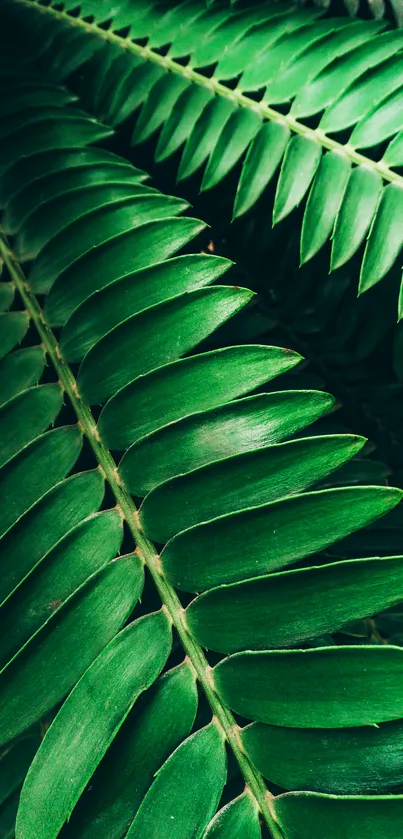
(235, 507)
(347, 75)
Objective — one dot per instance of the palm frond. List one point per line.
(230, 501)
(312, 99)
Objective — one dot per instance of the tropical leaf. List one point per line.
(314, 98)
(230, 501)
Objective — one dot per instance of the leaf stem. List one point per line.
(216, 87)
(144, 547)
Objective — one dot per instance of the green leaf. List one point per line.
(204, 437)
(37, 468)
(323, 203)
(82, 730)
(332, 687)
(300, 815)
(237, 820)
(294, 606)
(204, 137)
(162, 99)
(382, 121)
(146, 739)
(129, 295)
(241, 481)
(327, 86)
(385, 238)
(21, 177)
(26, 416)
(301, 160)
(355, 215)
(181, 120)
(186, 791)
(58, 654)
(351, 760)
(354, 103)
(84, 550)
(238, 131)
(13, 327)
(272, 536)
(20, 370)
(45, 523)
(53, 216)
(204, 381)
(65, 132)
(264, 156)
(154, 337)
(152, 242)
(99, 226)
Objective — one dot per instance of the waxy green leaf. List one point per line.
(237, 820)
(186, 791)
(300, 815)
(26, 416)
(283, 609)
(368, 759)
(37, 468)
(84, 550)
(45, 523)
(204, 437)
(333, 687)
(82, 730)
(129, 295)
(242, 481)
(155, 337)
(58, 654)
(272, 536)
(149, 735)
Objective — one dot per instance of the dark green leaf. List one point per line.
(84, 550)
(244, 480)
(238, 820)
(302, 815)
(271, 536)
(301, 160)
(13, 327)
(284, 609)
(97, 228)
(26, 416)
(83, 730)
(355, 215)
(151, 732)
(333, 687)
(263, 157)
(126, 297)
(38, 467)
(152, 242)
(52, 661)
(352, 760)
(385, 238)
(48, 521)
(323, 203)
(186, 791)
(204, 381)
(154, 337)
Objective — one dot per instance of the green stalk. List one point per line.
(144, 547)
(264, 111)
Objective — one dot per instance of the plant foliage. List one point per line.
(311, 99)
(171, 528)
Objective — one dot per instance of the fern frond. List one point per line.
(223, 493)
(229, 77)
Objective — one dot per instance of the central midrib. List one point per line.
(220, 89)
